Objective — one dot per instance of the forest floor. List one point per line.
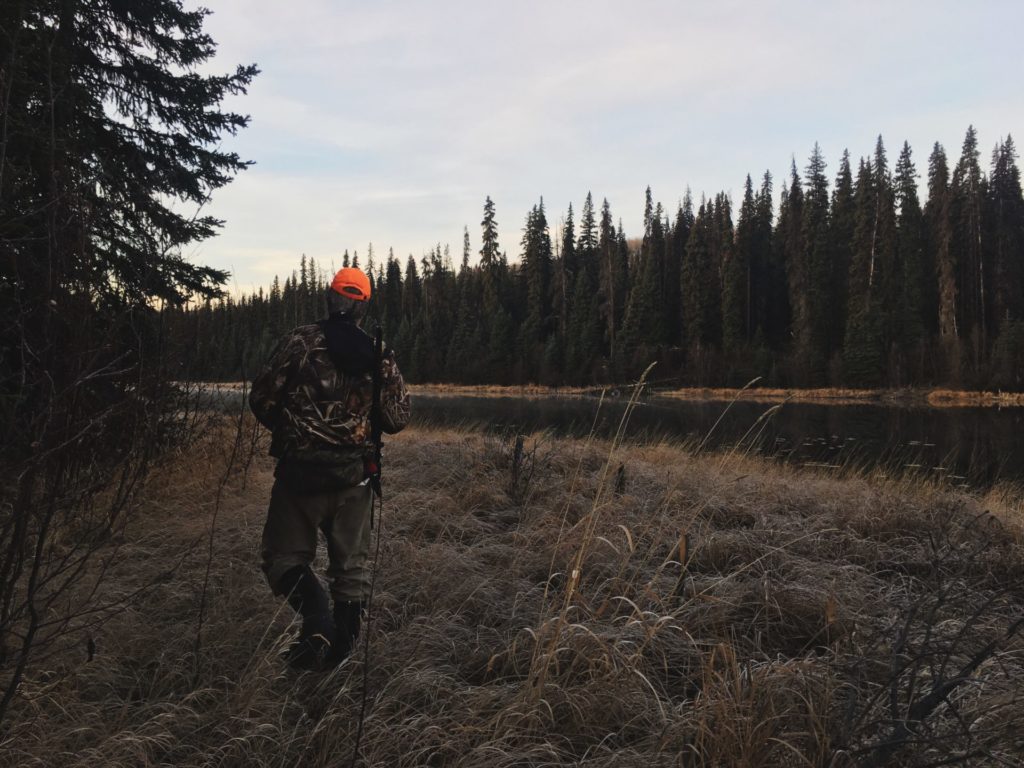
(575, 603)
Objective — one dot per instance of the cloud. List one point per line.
(391, 121)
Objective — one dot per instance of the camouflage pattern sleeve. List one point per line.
(394, 397)
(268, 388)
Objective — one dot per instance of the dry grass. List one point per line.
(936, 398)
(685, 610)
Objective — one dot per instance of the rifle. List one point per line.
(376, 428)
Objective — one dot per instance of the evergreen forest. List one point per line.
(851, 281)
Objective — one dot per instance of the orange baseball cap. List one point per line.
(352, 283)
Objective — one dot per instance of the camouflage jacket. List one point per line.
(316, 412)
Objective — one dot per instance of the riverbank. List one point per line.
(580, 605)
(903, 398)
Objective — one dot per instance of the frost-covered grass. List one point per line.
(584, 604)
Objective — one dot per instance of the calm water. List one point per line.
(975, 446)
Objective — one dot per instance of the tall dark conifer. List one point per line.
(613, 278)
(1007, 236)
(789, 248)
(675, 253)
(810, 271)
(968, 193)
(737, 298)
(536, 271)
(842, 224)
(567, 269)
(871, 277)
(939, 237)
(918, 278)
(701, 286)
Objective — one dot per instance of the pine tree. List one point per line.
(588, 240)
(613, 278)
(701, 287)
(939, 235)
(1007, 234)
(392, 304)
(871, 274)
(675, 252)
(489, 254)
(583, 338)
(111, 131)
(536, 271)
(790, 247)
(842, 225)
(770, 297)
(737, 315)
(918, 276)
(568, 268)
(644, 325)
(968, 194)
(498, 325)
(810, 276)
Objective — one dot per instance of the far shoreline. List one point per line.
(927, 398)
(893, 398)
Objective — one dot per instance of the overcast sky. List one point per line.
(389, 122)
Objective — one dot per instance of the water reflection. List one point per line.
(968, 445)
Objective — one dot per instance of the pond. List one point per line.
(968, 446)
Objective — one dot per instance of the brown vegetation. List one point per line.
(563, 603)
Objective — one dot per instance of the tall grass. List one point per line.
(633, 605)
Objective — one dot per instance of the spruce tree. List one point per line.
(770, 297)
(789, 251)
(737, 285)
(644, 325)
(841, 229)
(536, 271)
(700, 284)
(498, 325)
(675, 252)
(112, 139)
(968, 194)
(392, 309)
(613, 278)
(939, 237)
(588, 239)
(918, 273)
(810, 275)
(873, 252)
(1007, 236)
(568, 266)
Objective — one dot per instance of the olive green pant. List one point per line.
(290, 536)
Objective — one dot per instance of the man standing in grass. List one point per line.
(316, 396)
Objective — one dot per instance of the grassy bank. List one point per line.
(583, 605)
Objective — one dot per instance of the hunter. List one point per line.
(316, 396)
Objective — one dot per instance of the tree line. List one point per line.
(850, 283)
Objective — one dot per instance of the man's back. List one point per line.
(316, 399)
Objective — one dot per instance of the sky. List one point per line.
(390, 122)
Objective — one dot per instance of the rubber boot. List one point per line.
(348, 615)
(308, 598)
